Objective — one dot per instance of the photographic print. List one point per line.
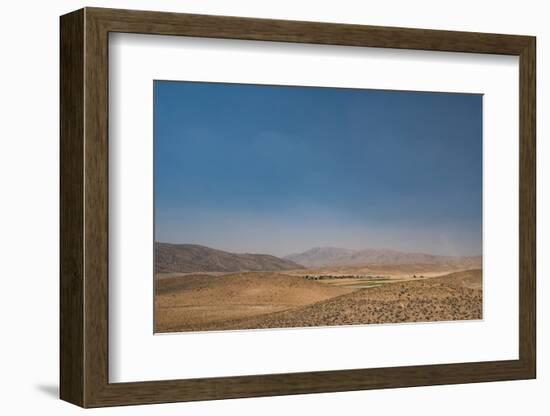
(294, 206)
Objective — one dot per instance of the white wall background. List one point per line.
(29, 206)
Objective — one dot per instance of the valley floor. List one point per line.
(282, 300)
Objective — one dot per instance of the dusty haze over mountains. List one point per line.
(275, 169)
(334, 256)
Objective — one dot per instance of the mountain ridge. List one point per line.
(189, 258)
(336, 256)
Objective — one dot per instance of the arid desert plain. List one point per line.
(202, 289)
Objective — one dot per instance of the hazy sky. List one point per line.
(270, 169)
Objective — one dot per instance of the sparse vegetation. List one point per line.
(343, 276)
(276, 300)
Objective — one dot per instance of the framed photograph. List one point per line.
(255, 207)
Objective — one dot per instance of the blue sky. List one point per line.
(272, 169)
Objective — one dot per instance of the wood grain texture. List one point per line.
(84, 207)
(96, 208)
(162, 23)
(71, 208)
(527, 208)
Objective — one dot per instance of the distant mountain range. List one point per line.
(189, 258)
(332, 256)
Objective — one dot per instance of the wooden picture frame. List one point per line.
(84, 207)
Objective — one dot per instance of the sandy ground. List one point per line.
(194, 301)
(275, 300)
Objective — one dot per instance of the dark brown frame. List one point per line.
(84, 209)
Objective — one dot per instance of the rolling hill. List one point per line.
(252, 301)
(332, 256)
(189, 258)
(193, 303)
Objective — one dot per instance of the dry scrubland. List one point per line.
(203, 301)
